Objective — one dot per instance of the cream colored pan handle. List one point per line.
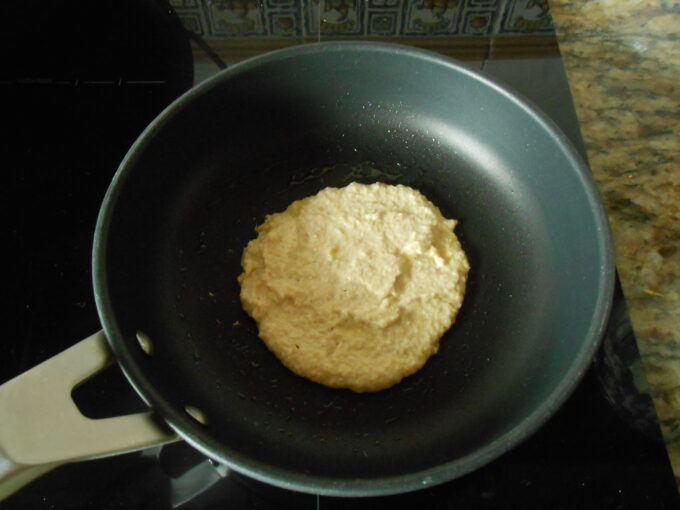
(41, 427)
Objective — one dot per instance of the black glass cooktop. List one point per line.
(66, 131)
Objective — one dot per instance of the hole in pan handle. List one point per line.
(41, 427)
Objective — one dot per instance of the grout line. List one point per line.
(499, 14)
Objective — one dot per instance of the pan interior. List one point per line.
(247, 144)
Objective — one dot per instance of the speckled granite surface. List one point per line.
(623, 62)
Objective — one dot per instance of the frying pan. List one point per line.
(280, 127)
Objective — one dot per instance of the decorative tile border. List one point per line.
(335, 18)
(432, 17)
(185, 4)
(280, 19)
(382, 4)
(192, 21)
(281, 4)
(478, 22)
(384, 23)
(284, 24)
(484, 3)
(236, 18)
(527, 17)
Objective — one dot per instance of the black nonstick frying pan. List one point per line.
(282, 126)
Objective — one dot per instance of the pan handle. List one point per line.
(41, 427)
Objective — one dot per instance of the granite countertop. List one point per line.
(623, 62)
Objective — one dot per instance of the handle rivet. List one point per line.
(145, 342)
(196, 414)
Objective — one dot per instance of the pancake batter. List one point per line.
(354, 287)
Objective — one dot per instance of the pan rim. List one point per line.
(321, 485)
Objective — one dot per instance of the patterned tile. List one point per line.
(284, 4)
(184, 4)
(192, 21)
(381, 4)
(190, 13)
(284, 24)
(236, 18)
(478, 22)
(483, 3)
(432, 17)
(527, 16)
(383, 23)
(335, 17)
(352, 18)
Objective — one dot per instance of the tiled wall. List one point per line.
(361, 18)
